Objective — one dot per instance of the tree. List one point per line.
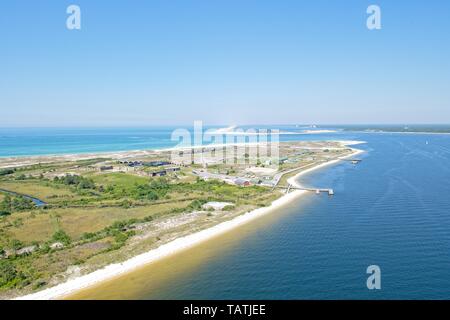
(21, 203)
(5, 172)
(77, 181)
(9, 205)
(21, 177)
(5, 206)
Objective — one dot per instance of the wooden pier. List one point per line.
(316, 190)
(354, 161)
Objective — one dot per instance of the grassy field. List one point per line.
(40, 189)
(121, 179)
(77, 221)
(94, 230)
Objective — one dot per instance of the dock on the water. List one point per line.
(354, 161)
(316, 190)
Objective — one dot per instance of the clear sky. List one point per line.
(223, 62)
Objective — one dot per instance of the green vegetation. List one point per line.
(4, 172)
(78, 181)
(13, 204)
(9, 276)
(105, 227)
(61, 236)
(154, 190)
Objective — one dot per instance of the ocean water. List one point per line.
(45, 141)
(390, 210)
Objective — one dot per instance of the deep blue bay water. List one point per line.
(391, 210)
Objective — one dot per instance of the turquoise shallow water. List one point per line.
(45, 141)
(392, 210)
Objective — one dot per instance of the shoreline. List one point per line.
(126, 153)
(112, 271)
(117, 155)
(403, 132)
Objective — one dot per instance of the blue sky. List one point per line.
(223, 62)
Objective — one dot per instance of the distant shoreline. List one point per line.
(399, 132)
(82, 155)
(30, 160)
(178, 245)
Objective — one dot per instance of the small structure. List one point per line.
(26, 250)
(282, 160)
(241, 182)
(215, 205)
(158, 173)
(156, 163)
(131, 163)
(106, 168)
(57, 245)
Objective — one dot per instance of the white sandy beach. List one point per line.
(111, 271)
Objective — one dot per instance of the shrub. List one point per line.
(61, 236)
(88, 236)
(4, 213)
(8, 274)
(120, 237)
(9, 205)
(5, 172)
(21, 177)
(15, 244)
(148, 219)
(196, 205)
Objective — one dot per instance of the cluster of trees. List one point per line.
(77, 181)
(154, 190)
(221, 189)
(9, 205)
(144, 191)
(23, 177)
(9, 276)
(4, 172)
